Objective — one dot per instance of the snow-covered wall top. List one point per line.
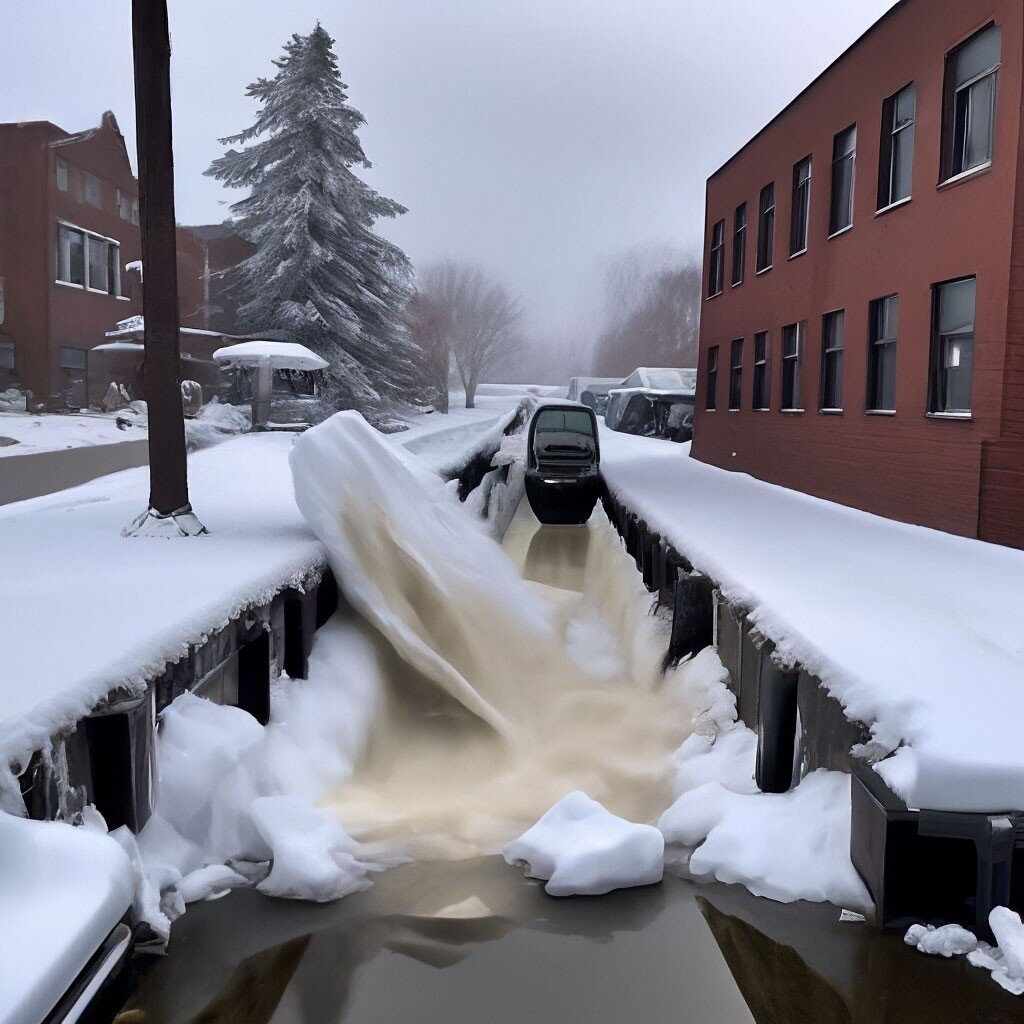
(916, 632)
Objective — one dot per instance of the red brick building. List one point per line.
(69, 229)
(862, 334)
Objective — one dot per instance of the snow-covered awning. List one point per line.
(135, 327)
(280, 355)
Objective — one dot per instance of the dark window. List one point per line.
(832, 329)
(93, 190)
(766, 228)
(98, 265)
(711, 395)
(896, 166)
(801, 207)
(952, 358)
(735, 375)
(969, 106)
(739, 243)
(62, 176)
(884, 327)
(70, 256)
(716, 268)
(791, 345)
(761, 380)
(844, 155)
(72, 358)
(6, 354)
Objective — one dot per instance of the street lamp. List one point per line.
(169, 513)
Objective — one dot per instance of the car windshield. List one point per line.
(564, 420)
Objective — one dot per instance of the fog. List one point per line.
(540, 139)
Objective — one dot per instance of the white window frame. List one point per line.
(65, 177)
(113, 263)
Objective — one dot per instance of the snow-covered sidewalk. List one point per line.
(914, 631)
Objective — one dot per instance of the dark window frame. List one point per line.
(711, 380)
(840, 160)
(7, 357)
(716, 260)
(937, 373)
(736, 375)
(830, 398)
(894, 134)
(791, 366)
(73, 365)
(800, 215)
(761, 397)
(739, 244)
(883, 339)
(957, 100)
(766, 229)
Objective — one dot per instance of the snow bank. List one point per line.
(258, 545)
(787, 847)
(893, 618)
(582, 850)
(62, 890)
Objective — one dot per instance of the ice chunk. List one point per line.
(581, 849)
(1005, 961)
(949, 940)
(313, 855)
(209, 883)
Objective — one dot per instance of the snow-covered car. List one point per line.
(592, 391)
(562, 463)
(654, 402)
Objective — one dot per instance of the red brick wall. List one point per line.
(908, 466)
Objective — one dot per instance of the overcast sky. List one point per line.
(541, 138)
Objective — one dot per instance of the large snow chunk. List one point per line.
(1005, 961)
(948, 941)
(584, 850)
(313, 855)
(62, 890)
(789, 846)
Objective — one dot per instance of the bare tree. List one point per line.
(654, 313)
(429, 325)
(482, 320)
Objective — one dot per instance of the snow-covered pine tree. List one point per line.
(320, 274)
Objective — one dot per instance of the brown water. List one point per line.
(462, 938)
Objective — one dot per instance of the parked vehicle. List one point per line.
(562, 463)
(654, 402)
(592, 391)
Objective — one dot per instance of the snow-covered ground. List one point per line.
(914, 631)
(23, 433)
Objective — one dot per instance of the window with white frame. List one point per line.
(62, 175)
(88, 261)
(844, 156)
(711, 390)
(952, 355)
(736, 375)
(124, 205)
(761, 378)
(833, 327)
(801, 213)
(896, 169)
(739, 244)
(792, 343)
(884, 322)
(716, 263)
(969, 105)
(766, 228)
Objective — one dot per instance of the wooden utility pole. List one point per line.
(169, 513)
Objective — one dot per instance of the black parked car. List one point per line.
(562, 463)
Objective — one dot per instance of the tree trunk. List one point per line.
(471, 394)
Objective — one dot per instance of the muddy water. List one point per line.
(470, 941)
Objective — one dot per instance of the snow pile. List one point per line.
(582, 850)
(12, 400)
(62, 890)
(1005, 960)
(235, 795)
(215, 422)
(895, 656)
(950, 940)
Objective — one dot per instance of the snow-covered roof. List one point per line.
(281, 355)
(662, 378)
(136, 325)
